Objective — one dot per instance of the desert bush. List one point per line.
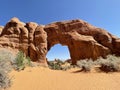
(65, 66)
(9, 61)
(56, 64)
(5, 80)
(114, 58)
(110, 64)
(21, 61)
(85, 64)
(60, 65)
(6, 57)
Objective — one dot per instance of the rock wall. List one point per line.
(82, 39)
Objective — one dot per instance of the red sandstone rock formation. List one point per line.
(30, 38)
(82, 39)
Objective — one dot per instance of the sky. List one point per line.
(101, 13)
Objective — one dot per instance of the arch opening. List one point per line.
(58, 52)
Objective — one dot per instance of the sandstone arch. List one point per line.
(82, 39)
(71, 34)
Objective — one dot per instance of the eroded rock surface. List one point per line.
(82, 39)
(30, 38)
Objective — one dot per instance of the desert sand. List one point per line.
(39, 78)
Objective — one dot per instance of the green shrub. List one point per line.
(55, 65)
(21, 61)
(28, 61)
(85, 64)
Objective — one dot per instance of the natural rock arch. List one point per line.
(82, 39)
(76, 35)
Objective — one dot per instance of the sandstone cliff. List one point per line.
(82, 39)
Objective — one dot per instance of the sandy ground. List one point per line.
(39, 78)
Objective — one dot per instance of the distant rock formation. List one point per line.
(82, 39)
